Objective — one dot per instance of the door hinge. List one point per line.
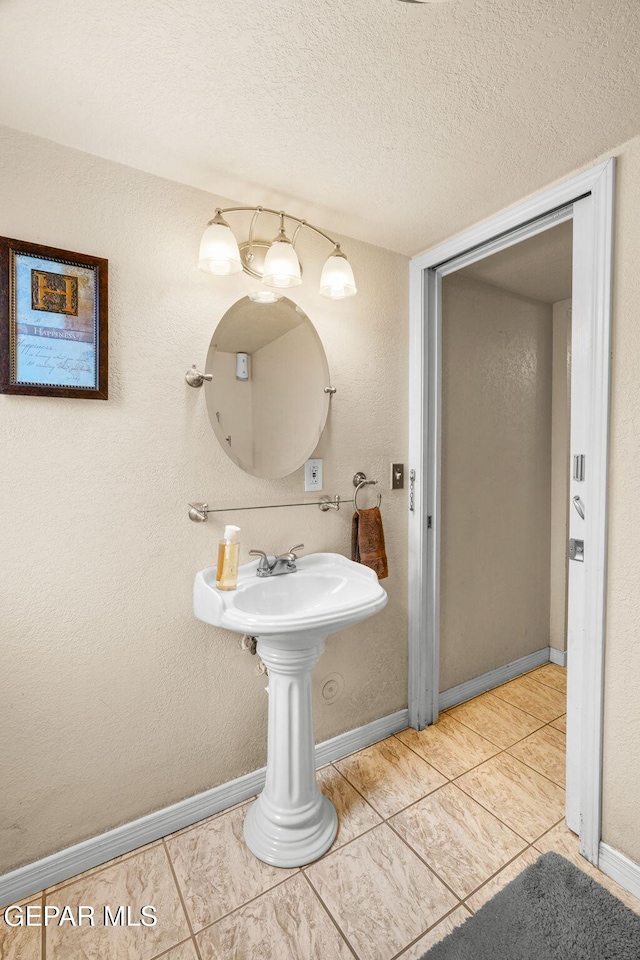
(429, 521)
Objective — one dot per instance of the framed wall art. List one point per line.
(53, 322)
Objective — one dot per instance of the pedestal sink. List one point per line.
(291, 823)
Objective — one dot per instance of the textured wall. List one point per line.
(560, 447)
(621, 824)
(115, 701)
(496, 472)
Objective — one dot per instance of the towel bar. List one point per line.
(199, 512)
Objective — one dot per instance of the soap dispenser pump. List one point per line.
(228, 555)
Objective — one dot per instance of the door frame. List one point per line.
(593, 271)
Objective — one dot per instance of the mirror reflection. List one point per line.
(266, 401)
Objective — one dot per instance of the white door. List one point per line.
(578, 503)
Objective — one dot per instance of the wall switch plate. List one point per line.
(397, 476)
(312, 475)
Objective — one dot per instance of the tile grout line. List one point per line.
(229, 913)
(341, 933)
(330, 852)
(494, 814)
(398, 956)
(501, 749)
(360, 794)
(451, 779)
(368, 802)
(181, 898)
(159, 956)
(522, 677)
(492, 742)
(530, 846)
(548, 831)
(379, 813)
(427, 865)
(544, 682)
(494, 875)
(486, 809)
(542, 723)
(523, 762)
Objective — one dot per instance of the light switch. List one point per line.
(313, 475)
(397, 476)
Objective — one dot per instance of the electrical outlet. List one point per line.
(313, 475)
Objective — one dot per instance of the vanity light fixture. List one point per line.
(337, 281)
(275, 263)
(219, 251)
(281, 264)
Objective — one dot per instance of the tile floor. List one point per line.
(432, 825)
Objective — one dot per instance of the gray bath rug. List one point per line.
(552, 911)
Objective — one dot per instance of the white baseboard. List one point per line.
(352, 740)
(476, 686)
(67, 863)
(558, 656)
(620, 868)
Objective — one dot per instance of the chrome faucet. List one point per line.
(274, 566)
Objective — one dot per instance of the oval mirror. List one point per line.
(266, 401)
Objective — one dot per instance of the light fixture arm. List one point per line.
(282, 215)
(251, 230)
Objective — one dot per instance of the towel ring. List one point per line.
(360, 481)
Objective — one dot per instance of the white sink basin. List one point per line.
(291, 823)
(326, 594)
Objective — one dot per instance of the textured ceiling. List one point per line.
(398, 123)
(539, 267)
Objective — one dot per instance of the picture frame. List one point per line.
(53, 322)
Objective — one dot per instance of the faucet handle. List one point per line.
(264, 559)
(292, 550)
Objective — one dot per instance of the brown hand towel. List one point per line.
(367, 541)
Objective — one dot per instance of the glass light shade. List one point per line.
(219, 251)
(337, 281)
(264, 296)
(281, 264)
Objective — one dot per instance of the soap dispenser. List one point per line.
(228, 554)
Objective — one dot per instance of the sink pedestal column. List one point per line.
(291, 823)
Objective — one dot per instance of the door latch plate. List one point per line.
(576, 550)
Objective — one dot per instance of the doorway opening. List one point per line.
(504, 501)
(504, 476)
(580, 210)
